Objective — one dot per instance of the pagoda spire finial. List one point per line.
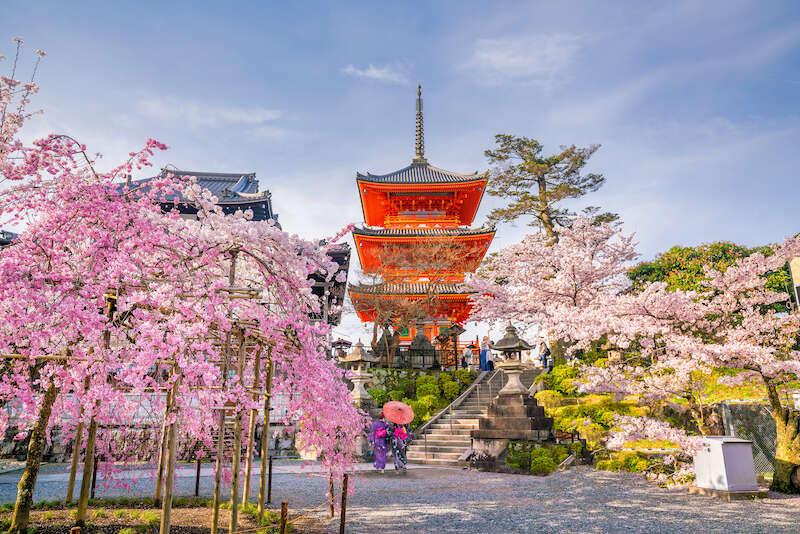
(419, 137)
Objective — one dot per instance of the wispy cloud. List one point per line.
(193, 113)
(540, 59)
(387, 73)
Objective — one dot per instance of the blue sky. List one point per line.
(695, 104)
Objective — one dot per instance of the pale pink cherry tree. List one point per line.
(101, 286)
(563, 286)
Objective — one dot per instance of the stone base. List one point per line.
(490, 447)
(730, 495)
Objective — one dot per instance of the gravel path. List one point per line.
(445, 500)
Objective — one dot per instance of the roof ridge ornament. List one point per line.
(419, 137)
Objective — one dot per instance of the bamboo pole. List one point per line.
(76, 451)
(251, 431)
(265, 434)
(88, 467)
(76, 455)
(166, 506)
(221, 436)
(237, 443)
(284, 516)
(343, 511)
(162, 450)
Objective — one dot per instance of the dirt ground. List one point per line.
(146, 521)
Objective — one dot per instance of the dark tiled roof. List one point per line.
(409, 289)
(412, 232)
(419, 172)
(7, 237)
(233, 191)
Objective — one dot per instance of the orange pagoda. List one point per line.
(419, 205)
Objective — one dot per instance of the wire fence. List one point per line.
(753, 422)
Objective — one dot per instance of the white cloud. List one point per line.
(539, 59)
(386, 73)
(196, 114)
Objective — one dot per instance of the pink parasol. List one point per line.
(398, 412)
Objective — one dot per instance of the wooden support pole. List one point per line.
(269, 489)
(331, 494)
(76, 456)
(237, 444)
(220, 438)
(284, 516)
(162, 452)
(262, 482)
(94, 477)
(251, 430)
(344, 504)
(88, 466)
(197, 479)
(169, 478)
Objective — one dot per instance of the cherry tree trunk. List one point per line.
(22, 508)
(787, 452)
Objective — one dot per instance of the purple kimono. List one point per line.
(377, 438)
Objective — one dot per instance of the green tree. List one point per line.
(683, 267)
(535, 184)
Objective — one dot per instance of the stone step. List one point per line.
(442, 436)
(465, 443)
(416, 455)
(454, 426)
(431, 461)
(432, 449)
(461, 420)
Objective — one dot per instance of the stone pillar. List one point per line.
(513, 370)
(363, 400)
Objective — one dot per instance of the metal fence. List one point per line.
(753, 422)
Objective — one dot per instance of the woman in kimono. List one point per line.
(378, 439)
(399, 439)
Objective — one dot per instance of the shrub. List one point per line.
(426, 390)
(127, 530)
(396, 394)
(378, 395)
(465, 378)
(47, 515)
(541, 452)
(443, 379)
(98, 514)
(542, 465)
(135, 514)
(518, 455)
(576, 448)
(425, 379)
(559, 453)
(450, 390)
(428, 404)
(119, 514)
(549, 398)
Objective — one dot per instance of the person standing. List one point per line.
(466, 357)
(398, 436)
(489, 358)
(378, 438)
(483, 352)
(545, 355)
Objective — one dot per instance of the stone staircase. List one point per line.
(444, 440)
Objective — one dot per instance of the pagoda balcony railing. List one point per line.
(410, 221)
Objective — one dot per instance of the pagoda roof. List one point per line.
(417, 288)
(232, 190)
(426, 232)
(420, 172)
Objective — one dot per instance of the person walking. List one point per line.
(483, 352)
(399, 438)
(545, 355)
(378, 439)
(466, 356)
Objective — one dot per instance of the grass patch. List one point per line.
(270, 518)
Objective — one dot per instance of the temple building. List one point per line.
(420, 205)
(240, 191)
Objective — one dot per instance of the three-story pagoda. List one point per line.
(416, 206)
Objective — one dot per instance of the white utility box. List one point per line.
(725, 463)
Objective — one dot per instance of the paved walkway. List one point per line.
(444, 500)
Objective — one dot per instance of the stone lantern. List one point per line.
(512, 346)
(422, 353)
(359, 361)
